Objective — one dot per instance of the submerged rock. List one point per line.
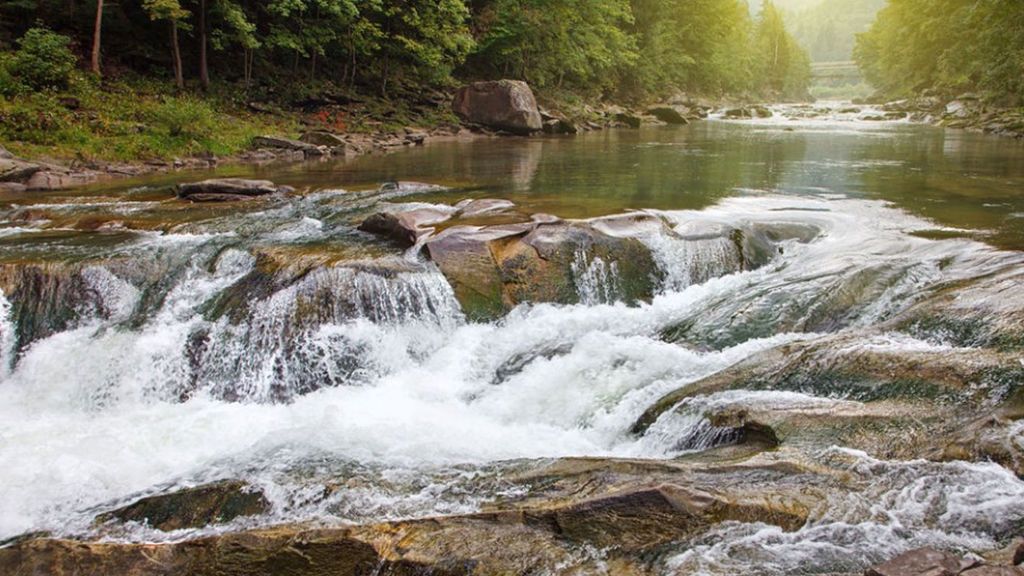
(503, 104)
(193, 507)
(228, 190)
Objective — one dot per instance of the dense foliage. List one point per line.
(951, 46)
(637, 48)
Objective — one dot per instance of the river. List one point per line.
(149, 344)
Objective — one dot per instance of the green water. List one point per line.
(971, 182)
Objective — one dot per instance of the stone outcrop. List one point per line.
(503, 105)
(228, 190)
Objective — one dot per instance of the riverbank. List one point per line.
(85, 139)
(965, 112)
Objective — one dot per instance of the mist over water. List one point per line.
(362, 374)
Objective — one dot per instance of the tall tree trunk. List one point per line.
(179, 75)
(204, 70)
(96, 37)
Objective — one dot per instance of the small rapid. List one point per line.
(238, 374)
(348, 381)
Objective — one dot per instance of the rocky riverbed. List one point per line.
(243, 377)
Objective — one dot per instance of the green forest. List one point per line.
(180, 63)
(946, 47)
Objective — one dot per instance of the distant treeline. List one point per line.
(829, 28)
(626, 48)
(947, 46)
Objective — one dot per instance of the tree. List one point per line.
(171, 11)
(555, 43)
(97, 31)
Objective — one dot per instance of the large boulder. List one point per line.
(197, 507)
(494, 268)
(670, 114)
(503, 104)
(228, 189)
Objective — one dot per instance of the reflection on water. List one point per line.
(957, 179)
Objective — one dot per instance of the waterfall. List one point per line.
(686, 262)
(318, 332)
(597, 282)
(8, 336)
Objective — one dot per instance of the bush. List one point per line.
(184, 117)
(8, 85)
(43, 60)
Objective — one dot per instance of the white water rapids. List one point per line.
(393, 388)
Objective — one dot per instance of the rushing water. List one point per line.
(172, 357)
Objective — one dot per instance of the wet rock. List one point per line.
(194, 507)
(542, 218)
(894, 391)
(463, 254)
(670, 114)
(629, 120)
(323, 138)
(503, 105)
(747, 112)
(405, 226)
(495, 268)
(228, 189)
(560, 126)
(920, 562)
(472, 208)
(12, 170)
(1018, 556)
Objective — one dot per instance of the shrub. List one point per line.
(184, 117)
(8, 85)
(43, 60)
(34, 118)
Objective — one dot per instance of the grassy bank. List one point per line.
(136, 119)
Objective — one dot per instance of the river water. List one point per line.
(157, 361)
